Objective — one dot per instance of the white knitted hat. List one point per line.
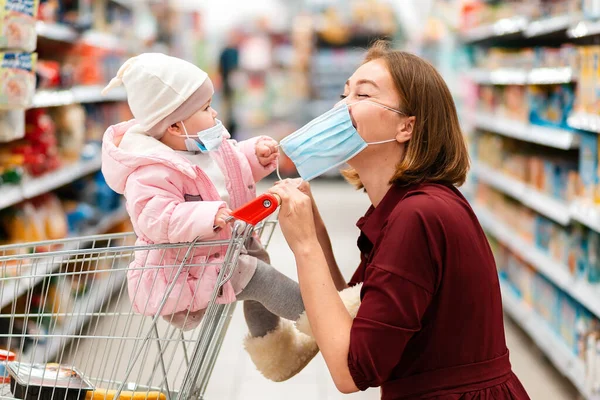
(162, 90)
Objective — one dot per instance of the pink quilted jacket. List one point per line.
(170, 200)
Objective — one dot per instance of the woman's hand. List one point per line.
(302, 186)
(296, 215)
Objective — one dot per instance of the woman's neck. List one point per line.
(376, 180)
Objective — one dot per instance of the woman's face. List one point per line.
(373, 82)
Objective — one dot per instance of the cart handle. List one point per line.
(256, 210)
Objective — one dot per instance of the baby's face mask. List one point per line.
(206, 140)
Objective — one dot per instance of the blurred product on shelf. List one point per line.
(589, 171)
(39, 148)
(100, 115)
(564, 317)
(48, 74)
(5, 356)
(70, 12)
(551, 105)
(339, 24)
(56, 137)
(548, 105)
(567, 55)
(588, 89)
(67, 212)
(550, 172)
(477, 13)
(12, 125)
(17, 79)
(17, 24)
(43, 218)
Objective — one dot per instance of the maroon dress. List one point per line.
(430, 322)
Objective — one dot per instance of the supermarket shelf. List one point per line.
(557, 210)
(518, 76)
(585, 122)
(551, 344)
(550, 76)
(56, 179)
(29, 188)
(521, 27)
(78, 316)
(586, 294)
(550, 25)
(500, 76)
(554, 209)
(77, 95)
(584, 29)
(10, 195)
(551, 137)
(20, 286)
(499, 181)
(104, 40)
(586, 214)
(503, 27)
(58, 32)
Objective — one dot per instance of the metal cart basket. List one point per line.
(67, 316)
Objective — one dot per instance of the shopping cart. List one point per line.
(67, 317)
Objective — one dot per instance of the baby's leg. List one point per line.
(272, 301)
(269, 295)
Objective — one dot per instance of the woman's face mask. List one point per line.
(206, 140)
(327, 142)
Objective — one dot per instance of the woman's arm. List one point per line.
(324, 240)
(329, 320)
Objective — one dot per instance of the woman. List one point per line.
(430, 322)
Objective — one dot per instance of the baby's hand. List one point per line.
(221, 218)
(266, 151)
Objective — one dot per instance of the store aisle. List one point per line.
(234, 376)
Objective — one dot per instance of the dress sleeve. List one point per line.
(398, 287)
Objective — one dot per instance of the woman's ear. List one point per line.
(405, 130)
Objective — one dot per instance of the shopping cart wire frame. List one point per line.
(96, 330)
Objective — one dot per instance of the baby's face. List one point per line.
(203, 119)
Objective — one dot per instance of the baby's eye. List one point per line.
(343, 96)
(362, 95)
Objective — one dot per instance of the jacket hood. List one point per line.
(126, 147)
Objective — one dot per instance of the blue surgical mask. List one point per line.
(204, 141)
(326, 142)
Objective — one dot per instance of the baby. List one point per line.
(180, 174)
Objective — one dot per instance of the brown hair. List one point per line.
(437, 151)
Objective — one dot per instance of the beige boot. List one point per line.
(282, 353)
(351, 298)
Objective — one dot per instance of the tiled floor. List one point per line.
(234, 376)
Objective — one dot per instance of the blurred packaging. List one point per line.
(12, 125)
(17, 24)
(17, 79)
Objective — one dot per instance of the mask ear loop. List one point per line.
(380, 105)
(185, 130)
(277, 168)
